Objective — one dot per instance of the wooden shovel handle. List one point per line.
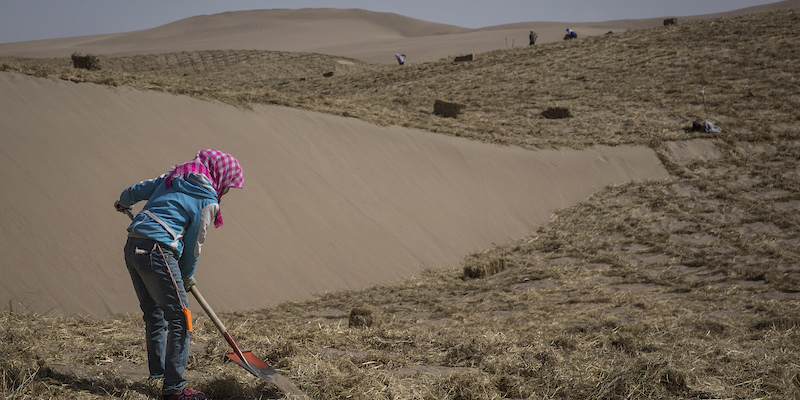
(211, 314)
(218, 323)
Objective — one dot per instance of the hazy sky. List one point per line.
(22, 20)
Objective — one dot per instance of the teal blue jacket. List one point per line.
(177, 217)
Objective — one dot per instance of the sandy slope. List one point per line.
(329, 203)
(369, 36)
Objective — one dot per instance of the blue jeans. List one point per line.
(165, 324)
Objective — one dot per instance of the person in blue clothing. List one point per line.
(162, 250)
(570, 34)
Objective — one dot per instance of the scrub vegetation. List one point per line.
(686, 288)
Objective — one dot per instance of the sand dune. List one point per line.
(329, 202)
(365, 35)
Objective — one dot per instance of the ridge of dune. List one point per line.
(329, 202)
(303, 30)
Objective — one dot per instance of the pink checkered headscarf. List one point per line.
(221, 168)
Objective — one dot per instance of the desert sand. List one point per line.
(330, 203)
(365, 35)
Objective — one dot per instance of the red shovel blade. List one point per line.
(254, 365)
(264, 371)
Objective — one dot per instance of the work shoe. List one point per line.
(185, 394)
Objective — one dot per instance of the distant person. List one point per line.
(532, 38)
(401, 58)
(161, 253)
(570, 34)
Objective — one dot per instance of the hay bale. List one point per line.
(85, 61)
(556, 113)
(468, 57)
(670, 21)
(360, 318)
(447, 109)
(480, 265)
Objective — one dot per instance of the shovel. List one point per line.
(245, 359)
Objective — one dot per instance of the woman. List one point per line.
(164, 242)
